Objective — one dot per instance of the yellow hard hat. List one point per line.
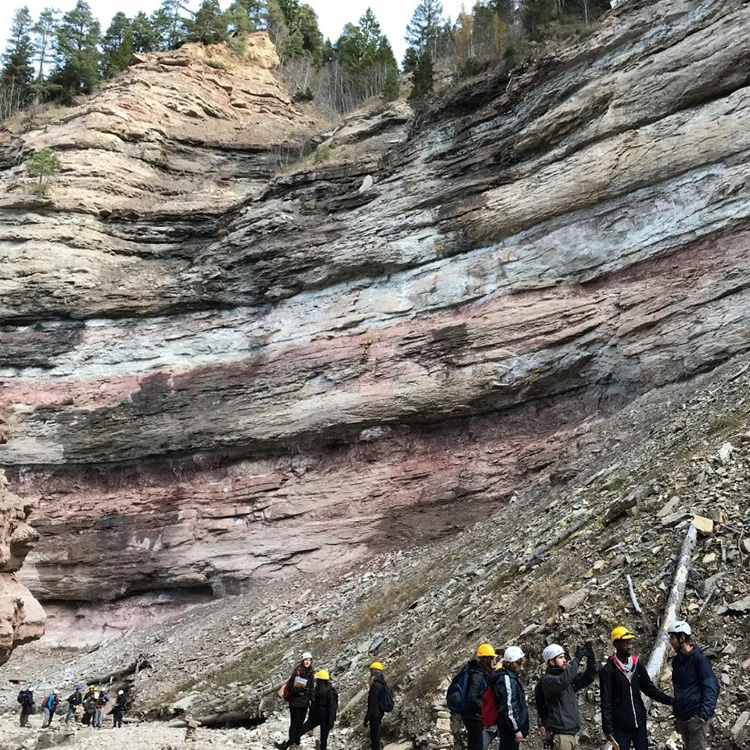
(620, 633)
(486, 650)
(322, 674)
(92, 687)
(376, 665)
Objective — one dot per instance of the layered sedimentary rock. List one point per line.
(21, 616)
(216, 375)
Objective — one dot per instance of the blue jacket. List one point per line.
(696, 688)
(510, 700)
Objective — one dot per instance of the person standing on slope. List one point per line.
(480, 669)
(26, 699)
(301, 685)
(621, 681)
(696, 688)
(49, 707)
(556, 692)
(375, 698)
(325, 704)
(510, 699)
(74, 700)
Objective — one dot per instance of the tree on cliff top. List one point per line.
(77, 52)
(117, 46)
(209, 25)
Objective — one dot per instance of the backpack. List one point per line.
(456, 696)
(385, 699)
(490, 712)
(286, 691)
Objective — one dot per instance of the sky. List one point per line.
(393, 15)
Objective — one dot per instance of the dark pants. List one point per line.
(637, 738)
(87, 716)
(296, 720)
(474, 730)
(375, 732)
(116, 718)
(311, 723)
(25, 711)
(507, 739)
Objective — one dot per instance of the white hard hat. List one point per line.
(680, 626)
(306, 655)
(120, 692)
(552, 652)
(55, 691)
(512, 653)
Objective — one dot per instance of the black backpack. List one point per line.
(385, 700)
(456, 697)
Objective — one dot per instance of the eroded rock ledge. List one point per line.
(217, 376)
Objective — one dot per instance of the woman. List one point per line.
(375, 712)
(300, 695)
(510, 699)
(480, 670)
(325, 703)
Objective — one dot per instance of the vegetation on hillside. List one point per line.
(60, 55)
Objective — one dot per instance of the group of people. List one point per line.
(495, 703)
(93, 706)
(313, 702)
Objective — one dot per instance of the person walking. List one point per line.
(555, 694)
(300, 686)
(74, 700)
(325, 704)
(510, 699)
(621, 681)
(118, 711)
(696, 688)
(479, 668)
(49, 707)
(375, 701)
(26, 699)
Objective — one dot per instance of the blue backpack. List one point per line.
(456, 696)
(385, 701)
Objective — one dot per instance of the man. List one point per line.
(555, 694)
(622, 680)
(118, 711)
(49, 707)
(89, 706)
(510, 699)
(74, 700)
(26, 699)
(696, 688)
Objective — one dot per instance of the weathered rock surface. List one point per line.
(215, 376)
(21, 616)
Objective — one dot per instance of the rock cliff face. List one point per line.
(21, 616)
(215, 374)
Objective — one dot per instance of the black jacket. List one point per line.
(696, 688)
(26, 698)
(324, 707)
(510, 700)
(475, 687)
(557, 690)
(622, 705)
(373, 698)
(300, 697)
(75, 699)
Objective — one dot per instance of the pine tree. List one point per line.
(17, 73)
(209, 25)
(169, 25)
(425, 26)
(145, 37)
(45, 36)
(422, 78)
(44, 163)
(117, 46)
(535, 14)
(77, 52)
(391, 86)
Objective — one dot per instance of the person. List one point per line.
(480, 669)
(121, 704)
(621, 681)
(325, 703)
(375, 701)
(696, 688)
(510, 699)
(555, 694)
(89, 705)
(26, 699)
(49, 707)
(300, 695)
(74, 700)
(102, 698)
(490, 726)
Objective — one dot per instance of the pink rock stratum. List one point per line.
(215, 373)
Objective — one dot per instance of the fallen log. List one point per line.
(633, 598)
(542, 549)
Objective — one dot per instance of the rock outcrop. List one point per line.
(21, 616)
(215, 374)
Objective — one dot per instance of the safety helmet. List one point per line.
(377, 665)
(120, 692)
(92, 687)
(486, 650)
(680, 626)
(322, 674)
(621, 633)
(512, 654)
(31, 688)
(552, 652)
(55, 692)
(306, 655)
(78, 687)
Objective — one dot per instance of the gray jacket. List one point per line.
(559, 688)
